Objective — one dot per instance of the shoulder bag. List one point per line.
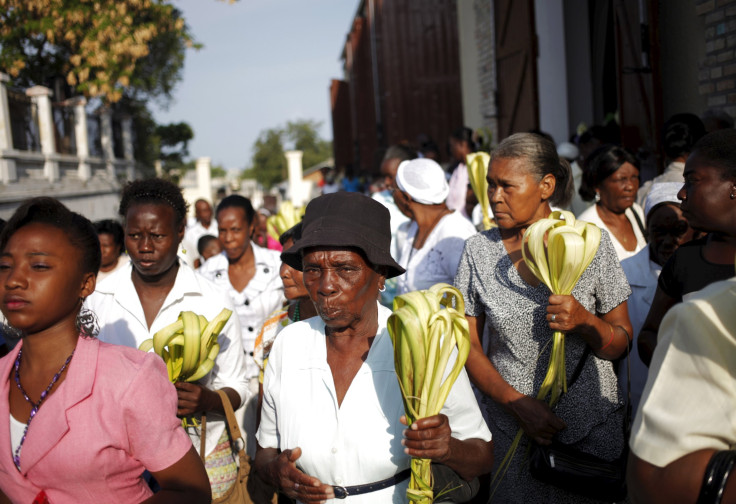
(581, 473)
(238, 492)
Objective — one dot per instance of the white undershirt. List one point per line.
(16, 433)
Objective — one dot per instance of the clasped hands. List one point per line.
(426, 438)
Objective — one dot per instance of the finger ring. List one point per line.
(554, 316)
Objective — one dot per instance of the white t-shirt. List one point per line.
(689, 402)
(438, 258)
(591, 215)
(263, 295)
(359, 441)
(122, 321)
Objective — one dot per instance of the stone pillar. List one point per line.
(84, 171)
(296, 192)
(204, 177)
(8, 172)
(40, 96)
(126, 124)
(108, 153)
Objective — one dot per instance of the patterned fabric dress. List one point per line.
(516, 340)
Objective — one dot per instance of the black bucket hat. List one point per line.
(346, 219)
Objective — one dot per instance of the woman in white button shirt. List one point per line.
(250, 276)
(330, 422)
(136, 301)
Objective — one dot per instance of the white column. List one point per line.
(40, 96)
(108, 153)
(204, 177)
(8, 172)
(126, 124)
(551, 65)
(84, 172)
(296, 193)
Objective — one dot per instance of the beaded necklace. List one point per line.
(296, 312)
(34, 406)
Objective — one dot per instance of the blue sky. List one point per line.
(264, 62)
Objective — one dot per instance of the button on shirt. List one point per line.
(122, 321)
(263, 295)
(359, 441)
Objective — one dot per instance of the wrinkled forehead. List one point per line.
(330, 253)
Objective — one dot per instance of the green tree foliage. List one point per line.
(217, 171)
(304, 136)
(101, 49)
(268, 163)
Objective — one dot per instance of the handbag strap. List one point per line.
(639, 222)
(232, 425)
(579, 369)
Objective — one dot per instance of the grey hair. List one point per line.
(542, 159)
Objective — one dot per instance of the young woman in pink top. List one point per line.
(80, 420)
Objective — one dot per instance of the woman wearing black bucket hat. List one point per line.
(330, 420)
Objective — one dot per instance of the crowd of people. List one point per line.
(306, 359)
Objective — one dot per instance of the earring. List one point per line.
(597, 197)
(382, 288)
(733, 196)
(86, 323)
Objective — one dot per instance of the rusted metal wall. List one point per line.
(417, 85)
(342, 133)
(420, 69)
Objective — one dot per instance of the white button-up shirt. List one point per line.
(262, 296)
(122, 321)
(358, 441)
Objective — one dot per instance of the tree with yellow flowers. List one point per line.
(99, 48)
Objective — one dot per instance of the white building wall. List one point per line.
(552, 69)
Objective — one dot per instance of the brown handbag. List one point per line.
(238, 492)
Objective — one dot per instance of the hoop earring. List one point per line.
(382, 288)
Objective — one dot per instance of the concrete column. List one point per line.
(108, 153)
(84, 172)
(8, 172)
(126, 124)
(204, 177)
(40, 96)
(296, 191)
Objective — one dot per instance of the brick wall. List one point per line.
(717, 72)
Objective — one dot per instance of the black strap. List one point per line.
(639, 222)
(579, 369)
(342, 492)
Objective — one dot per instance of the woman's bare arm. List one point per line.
(184, 482)
(677, 482)
(533, 415)
(647, 340)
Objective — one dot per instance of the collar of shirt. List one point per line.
(123, 291)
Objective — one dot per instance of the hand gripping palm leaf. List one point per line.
(425, 327)
(557, 250)
(188, 346)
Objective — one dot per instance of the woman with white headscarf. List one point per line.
(436, 235)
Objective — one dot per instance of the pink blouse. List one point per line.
(112, 417)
